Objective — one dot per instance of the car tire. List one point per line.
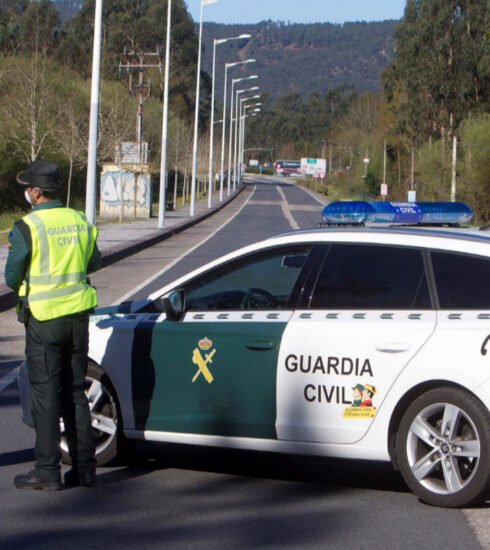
(110, 443)
(443, 447)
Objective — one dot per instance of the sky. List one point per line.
(297, 11)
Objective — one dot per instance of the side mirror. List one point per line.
(173, 304)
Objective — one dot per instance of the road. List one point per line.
(176, 497)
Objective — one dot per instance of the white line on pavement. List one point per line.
(285, 209)
(177, 260)
(8, 379)
(323, 203)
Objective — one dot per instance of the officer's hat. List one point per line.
(42, 174)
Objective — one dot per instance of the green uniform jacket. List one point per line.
(20, 247)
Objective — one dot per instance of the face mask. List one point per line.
(27, 197)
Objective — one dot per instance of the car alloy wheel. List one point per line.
(104, 413)
(443, 448)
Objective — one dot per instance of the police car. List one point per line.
(355, 342)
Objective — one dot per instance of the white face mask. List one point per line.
(27, 197)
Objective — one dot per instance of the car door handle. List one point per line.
(260, 345)
(393, 347)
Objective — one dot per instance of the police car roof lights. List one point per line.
(420, 213)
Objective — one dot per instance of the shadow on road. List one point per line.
(358, 474)
(16, 457)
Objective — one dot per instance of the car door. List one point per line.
(369, 313)
(214, 371)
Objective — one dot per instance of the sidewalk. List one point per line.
(117, 241)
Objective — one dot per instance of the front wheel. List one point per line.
(110, 442)
(442, 447)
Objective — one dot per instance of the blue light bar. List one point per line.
(427, 213)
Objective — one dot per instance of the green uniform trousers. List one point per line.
(56, 352)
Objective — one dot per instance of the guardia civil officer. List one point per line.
(51, 250)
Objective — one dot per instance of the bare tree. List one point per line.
(71, 135)
(31, 106)
(179, 147)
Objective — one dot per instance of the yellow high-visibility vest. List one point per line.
(62, 244)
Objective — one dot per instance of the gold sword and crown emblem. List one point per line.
(202, 362)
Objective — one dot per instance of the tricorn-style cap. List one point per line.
(42, 174)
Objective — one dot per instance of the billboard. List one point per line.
(315, 168)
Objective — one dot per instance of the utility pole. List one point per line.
(134, 61)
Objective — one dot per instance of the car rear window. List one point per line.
(463, 280)
(358, 276)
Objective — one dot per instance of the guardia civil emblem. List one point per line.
(202, 356)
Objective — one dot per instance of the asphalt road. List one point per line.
(189, 497)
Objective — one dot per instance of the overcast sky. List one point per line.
(297, 11)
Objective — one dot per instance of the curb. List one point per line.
(8, 297)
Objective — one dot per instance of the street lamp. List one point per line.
(196, 113)
(163, 158)
(235, 158)
(242, 130)
(217, 41)
(233, 82)
(242, 101)
(90, 192)
(227, 66)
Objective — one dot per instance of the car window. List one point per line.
(358, 276)
(257, 281)
(463, 281)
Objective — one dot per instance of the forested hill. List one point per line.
(304, 59)
(298, 58)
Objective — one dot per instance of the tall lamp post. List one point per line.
(196, 113)
(227, 66)
(90, 192)
(233, 82)
(237, 112)
(242, 131)
(211, 129)
(163, 159)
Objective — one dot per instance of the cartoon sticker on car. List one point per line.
(362, 402)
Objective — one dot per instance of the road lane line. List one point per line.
(180, 258)
(9, 379)
(286, 211)
(306, 190)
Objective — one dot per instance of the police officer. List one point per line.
(51, 250)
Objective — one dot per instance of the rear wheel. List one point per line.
(443, 448)
(110, 443)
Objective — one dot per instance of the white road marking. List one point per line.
(302, 207)
(9, 378)
(306, 190)
(286, 211)
(177, 260)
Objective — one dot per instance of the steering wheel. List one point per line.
(258, 298)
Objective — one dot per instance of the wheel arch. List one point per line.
(404, 403)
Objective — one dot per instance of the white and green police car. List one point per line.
(360, 342)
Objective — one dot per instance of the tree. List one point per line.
(435, 77)
(37, 28)
(71, 135)
(31, 106)
(140, 26)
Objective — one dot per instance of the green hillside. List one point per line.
(305, 59)
(297, 58)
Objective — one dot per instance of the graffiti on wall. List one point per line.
(110, 192)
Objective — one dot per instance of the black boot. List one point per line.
(31, 480)
(73, 478)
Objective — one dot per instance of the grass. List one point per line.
(7, 219)
(334, 189)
